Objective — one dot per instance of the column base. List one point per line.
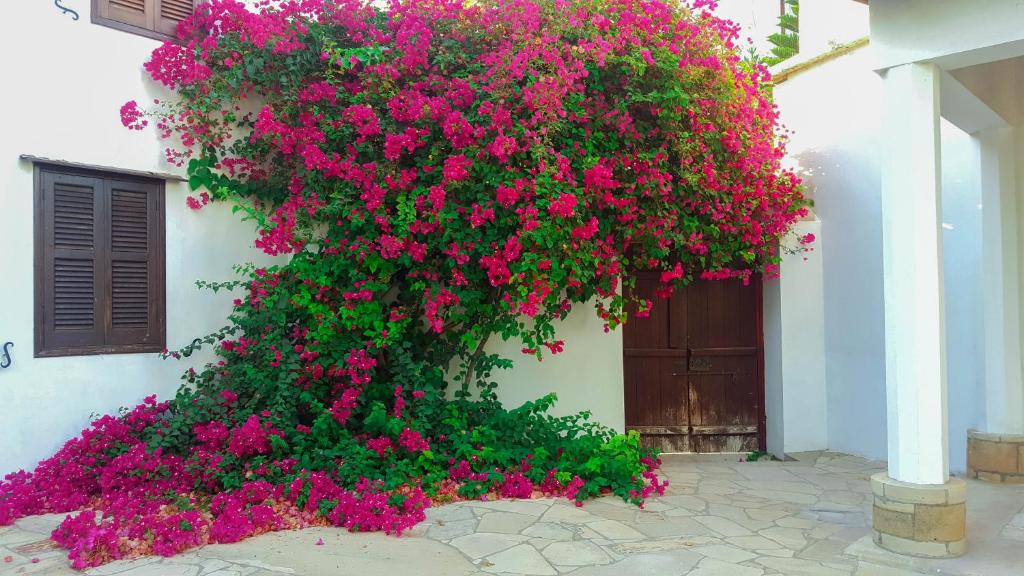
(995, 458)
(928, 520)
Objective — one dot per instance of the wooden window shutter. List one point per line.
(99, 263)
(133, 12)
(71, 269)
(153, 18)
(170, 12)
(135, 263)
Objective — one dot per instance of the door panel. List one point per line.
(693, 368)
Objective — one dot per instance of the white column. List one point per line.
(1004, 388)
(912, 263)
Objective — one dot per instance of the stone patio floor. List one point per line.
(719, 517)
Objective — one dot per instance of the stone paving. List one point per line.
(719, 517)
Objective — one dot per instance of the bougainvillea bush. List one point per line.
(436, 175)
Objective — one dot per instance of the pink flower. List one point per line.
(516, 486)
(564, 206)
(212, 434)
(502, 147)
(674, 274)
(364, 119)
(456, 167)
(599, 177)
(342, 408)
(507, 196)
(380, 445)
(458, 130)
(412, 441)
(252, 437)
(132, 116)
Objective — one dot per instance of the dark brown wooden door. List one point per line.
(693, 368)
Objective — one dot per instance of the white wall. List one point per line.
(774, 411)
(962, 264)
(796, 403)
(72, 78)
(587, 375)
(834, 112)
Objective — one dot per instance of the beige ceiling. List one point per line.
(999, 84)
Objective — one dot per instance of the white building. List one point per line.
(897, 335)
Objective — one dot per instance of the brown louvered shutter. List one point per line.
(100, 263)
(73, 279)
(153, 18)
(135, 285)
(170, 13)
(134, 12)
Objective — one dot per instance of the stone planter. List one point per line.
(926, 520)
(995, 457)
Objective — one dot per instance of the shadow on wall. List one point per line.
(845, 182)
(962, 262)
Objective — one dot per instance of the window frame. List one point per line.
(42, 349)
(95, 18)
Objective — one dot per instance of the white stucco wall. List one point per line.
(834, 112)
(73, 76)
(774, 411)
(587, 375)
(962, 263)
(796, 402)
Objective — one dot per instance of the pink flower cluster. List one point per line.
(132, 117)
(488, 145)
(136, 502)
(252, 437)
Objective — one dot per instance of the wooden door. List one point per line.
(693, 368)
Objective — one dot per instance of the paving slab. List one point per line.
(523, 559)
(480, 544)
(577, 553)
(505, 522)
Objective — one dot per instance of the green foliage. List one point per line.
(758, 456)
(786, 42)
